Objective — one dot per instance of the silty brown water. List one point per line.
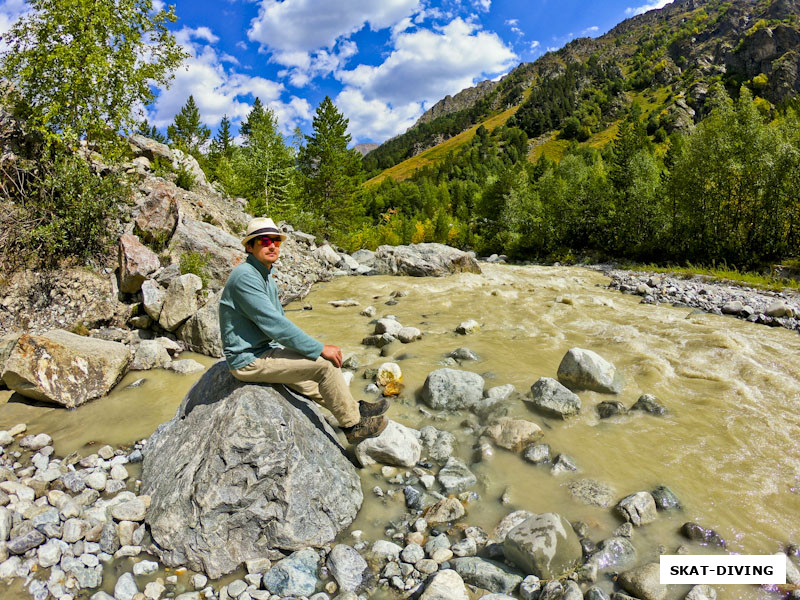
(728, 448)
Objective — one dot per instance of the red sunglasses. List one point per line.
(267, 240)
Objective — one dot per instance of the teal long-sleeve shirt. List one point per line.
(251, 318)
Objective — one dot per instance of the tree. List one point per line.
(81, 67)
(222, 144)
(330, 173)
(151, 131)
(187, 131)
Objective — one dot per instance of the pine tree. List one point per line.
(222, 144)
(329, 172)
(187, 131)
(151, 131)
(256, 113)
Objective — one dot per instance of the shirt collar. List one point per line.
(259, 267)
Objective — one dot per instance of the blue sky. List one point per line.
(383, 62)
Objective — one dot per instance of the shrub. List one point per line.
(185, 178)
(196, 263)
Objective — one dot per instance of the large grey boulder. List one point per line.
(201, 331)
(158, 214)
(423, 260)
(553, 399)
(7, 343)
(451, 389)
(153, 296)
(638, 508)
(544, 545)
(586, 370)
(220, 250)
(242, 469)
(136, 262)
(64, 368)
(181, 301)
(150, 355)
(486, 574)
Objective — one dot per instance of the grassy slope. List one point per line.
(408, 167)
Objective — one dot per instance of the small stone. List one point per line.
(537, 453)
(665, 498)
(468, 327)
(199, 581)
(132, 510)
(650, 404)
(125, 588)
(145, 567)
(442, 555)
(106, 452)
(236, 587)
(608, 409)
(154, 590)
(119, 472)
(96, 480)
(638, 508)
(445, 511)
(563, 464)
(412, 553)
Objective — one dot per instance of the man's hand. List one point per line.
(333, 354)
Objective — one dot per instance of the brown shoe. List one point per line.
(367, 428)
(373, 409)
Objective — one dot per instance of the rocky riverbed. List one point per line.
(776, 309)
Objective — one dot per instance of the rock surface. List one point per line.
(397, 445)
(64, 368)
(544, 545)
(424, 260)
(551, 398)
(233, 444)
(451, 389)
(586, 370)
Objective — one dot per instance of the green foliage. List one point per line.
(196, 263)
(184, 178)
(330, 174)
(59, 208)
(80, 68)
(151, 131)
(187, 131)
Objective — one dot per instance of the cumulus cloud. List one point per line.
(220, 91)
(374, 119)
(431, 64)
(484, 5)
(638, 10)
(307, 25)
(535, 46)
(514, 25)
(590, 30)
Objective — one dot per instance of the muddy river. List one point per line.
(729, 447)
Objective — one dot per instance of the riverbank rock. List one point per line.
(397, 445)
(513, 434)
(136, 263)
(644, 582)
(180, 302)
(544, 545)
(242, 469)
(201, 332)
(586, 370)
(295, 575)
(64, 368)
(638, 509)
(486, 574)
(347, 567)
(423, 260)
(451, 389)
(445, 585)
(552, 399)
(614, 553)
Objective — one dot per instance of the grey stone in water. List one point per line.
(150, 355)
(295, 575)
(383, 550)
(665, 498)
(413, 497)
(109, 540)
(274, 450)
(466, 547)
(445, 585)
(125, 588)
(638, 509)
(608, 409)
(624, 530)
(650, 404)
(563, 464)
(552, 590)
(552, 399)
(701, 592)
(705, 536)
(544, 545)
(236, 587)
(347, 567)
(732, 307)
(467, 327)
(486, 574)
(438, 444)
(537, 453)
(596, 593)
(615, 552)
(571, 591)
(586, 370)
(27, 541)
(589, 491)
(456, 477)
(186, 366)
(463, 354)
(412, 553)
(450, 389)
(397, 445)
(423, 260)
(530, 588)
(644, 582)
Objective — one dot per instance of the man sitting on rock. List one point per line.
(262, 346)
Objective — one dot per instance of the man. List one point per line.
(262, 345)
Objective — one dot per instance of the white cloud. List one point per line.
(514, 25)
(590, 30)
(638, 10)
(220, 91)
(484, 5)
(535, 46)
(426, 65)
(10, 12)
(374, 119)
(158, 5)
(307, 25)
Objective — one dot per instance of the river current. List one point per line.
(729, 447)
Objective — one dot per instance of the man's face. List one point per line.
(266, 249)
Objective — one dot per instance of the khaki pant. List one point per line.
(318, 379)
